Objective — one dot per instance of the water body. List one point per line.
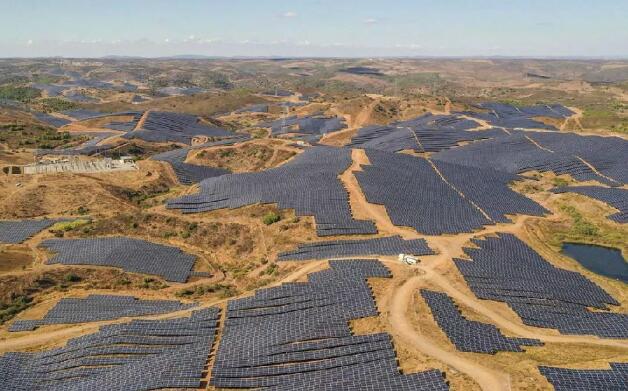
(605, 261)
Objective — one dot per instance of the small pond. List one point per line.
(605, 261)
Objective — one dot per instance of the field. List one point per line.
(256, 243)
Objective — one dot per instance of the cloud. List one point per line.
(29, 42)
(370, 21)
(289, 14)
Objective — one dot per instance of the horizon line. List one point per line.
(282, 57)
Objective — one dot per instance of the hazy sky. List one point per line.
(314, 28)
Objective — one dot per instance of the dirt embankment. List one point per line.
(248, 157)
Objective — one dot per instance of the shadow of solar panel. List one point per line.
(175, 127)
(391, 245)
(415, 195)
(615, 197)
(297, 336)
(506, 269)
(467, 335)
(308, 184)
(139, 355)
(17, 231)
(564, 379)
(131, 255)
(95, 308)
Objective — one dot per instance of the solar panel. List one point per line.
(95, 308)
(131, 255)
(505, 269)
(467, 335)
(139, 355)
(391, 245)
(308, 184)
(297, 336)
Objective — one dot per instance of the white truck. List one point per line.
(408, 259)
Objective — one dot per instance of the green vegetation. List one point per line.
(69, 225)
(20, 94)
(222, 290)
(35, 136)
(581, 226)
(71, 277)
(56, 104)
(558, 182)
(271, 269)
(412, 80)
(271, 218)
(14, 307)
(151, 283)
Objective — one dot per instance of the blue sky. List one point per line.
(91, 28)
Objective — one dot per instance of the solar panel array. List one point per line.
(81, 114)
(505, 269)
(391, 245)
(96, 308)
(255, 108)
(606, 154)
(516, 153)
(187, 173)
(427, 133)
(508, 116)
(51, 120)
(125, 126)
(488, 189)
(278, 93)
(308, 184)
(161, 126)
(139, 355)
(132, 255)
(564, 379)
(615, 197)
(313, 125)
(297, 337)
(415, 195)
(469, 335)
(17, 231)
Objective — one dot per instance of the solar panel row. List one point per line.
(140, 355)
(564, 379)
(175, 127)
(468, 335)
(505, 269)
(391, 245)
(17, 231)
(95, 308)
(308, 184)
(297, 336)
(131, 255)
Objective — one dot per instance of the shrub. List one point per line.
(271, 218)
(71, 277)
